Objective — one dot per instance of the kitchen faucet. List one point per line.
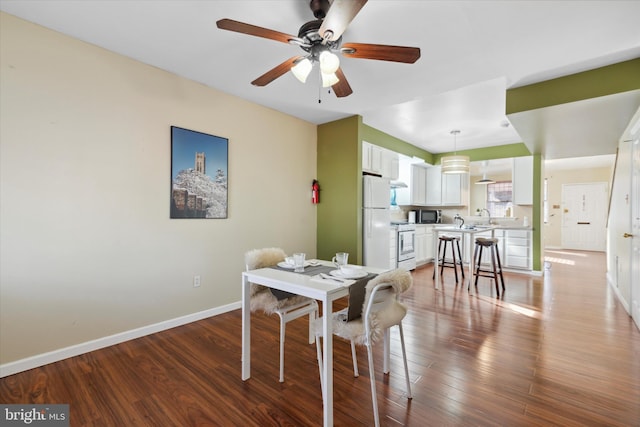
(488, 213)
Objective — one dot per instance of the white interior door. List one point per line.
(584, 216)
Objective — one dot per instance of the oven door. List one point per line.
(406, 244)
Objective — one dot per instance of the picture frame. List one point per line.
(199, 171)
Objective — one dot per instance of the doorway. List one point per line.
(584, 215)
(635, 232)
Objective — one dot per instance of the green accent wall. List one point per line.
(615, 78)
(488, 153)
(385, 140)
(339, 219)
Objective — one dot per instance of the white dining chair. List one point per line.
(287, 306)
(381, 310)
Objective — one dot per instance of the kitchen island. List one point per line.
(514, 245)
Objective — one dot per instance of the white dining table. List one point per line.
(308, 286)
(439, 231)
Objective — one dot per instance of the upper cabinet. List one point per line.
(418, 185)
(379, 161)
(429, 187)
(523, 180)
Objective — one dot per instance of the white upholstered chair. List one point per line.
(287, 306)
(381, 310)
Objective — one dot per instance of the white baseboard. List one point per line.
(78, 349)
(616, 291)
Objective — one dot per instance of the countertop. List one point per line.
(488, 227)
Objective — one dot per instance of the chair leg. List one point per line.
(372, 378)
(478, 261)
(500, 269)
(475, 262)
(387, 350)
(282, 334)
(406, 365)
(355, 360)
(455, 261)
(495, 274)
(460, 258)
(319, 356)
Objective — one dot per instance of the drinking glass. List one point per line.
(341, 259)
(298, 261)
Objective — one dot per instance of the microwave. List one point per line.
(429, 216)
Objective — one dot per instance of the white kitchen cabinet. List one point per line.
(523, 180)
(455, 189)
(517, 249)
(389, 164)
(421, 244)
(429, 242)
(371, 158)
(418, 183)
(446, 190)
(379, 160)
(434, 186)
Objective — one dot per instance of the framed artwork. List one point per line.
(199, 165)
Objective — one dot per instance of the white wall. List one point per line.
(87, 246)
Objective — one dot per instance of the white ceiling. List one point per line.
(472, 51)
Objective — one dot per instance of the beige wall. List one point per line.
(552, 234)
(87, 248)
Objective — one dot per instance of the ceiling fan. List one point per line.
(320, 38)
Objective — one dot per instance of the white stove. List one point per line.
(405, 245)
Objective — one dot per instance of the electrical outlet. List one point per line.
(196, 281)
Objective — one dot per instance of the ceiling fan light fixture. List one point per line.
(329, 62)
(329, 79)
(455, 164)
(302, 69)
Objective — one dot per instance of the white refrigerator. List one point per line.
(376, 222)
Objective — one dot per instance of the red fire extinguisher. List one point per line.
(315, 192)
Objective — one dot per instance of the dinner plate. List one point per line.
(357, 275)
(283, 264)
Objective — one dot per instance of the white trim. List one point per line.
(616, 291)
(78, 349)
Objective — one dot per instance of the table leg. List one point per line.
(327, 390)
(246, 329)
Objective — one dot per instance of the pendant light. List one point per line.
(484, 179)
(455, 164)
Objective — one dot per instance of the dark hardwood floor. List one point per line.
(555, 350)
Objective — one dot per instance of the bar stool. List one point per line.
(492, 271)
(442, 252)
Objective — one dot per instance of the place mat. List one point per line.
(356, 297)
(310, 270)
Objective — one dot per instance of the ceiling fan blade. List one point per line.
(340, 14)
(253, 30)
(275, 72)
(342, 88)
(381, 52)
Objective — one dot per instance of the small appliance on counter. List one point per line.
(411, 217)
(429, 216)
